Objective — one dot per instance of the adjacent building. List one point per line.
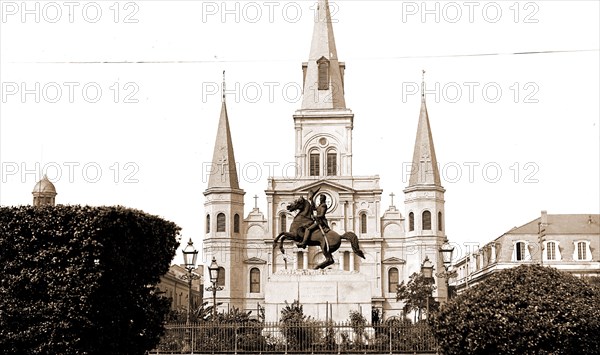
(568, 242)
(174, 287)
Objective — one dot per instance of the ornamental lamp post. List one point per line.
(427, 272)
(213, 273)
(190, 254)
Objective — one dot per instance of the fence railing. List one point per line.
(308, 338)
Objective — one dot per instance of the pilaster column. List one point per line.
(296, 255)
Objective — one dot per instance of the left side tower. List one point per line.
(223, 213)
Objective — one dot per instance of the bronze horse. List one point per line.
(329, 244)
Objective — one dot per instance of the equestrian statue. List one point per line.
(308, 229)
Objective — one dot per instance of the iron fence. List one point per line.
(304, 338)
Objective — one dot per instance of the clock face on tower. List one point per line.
(328, 200)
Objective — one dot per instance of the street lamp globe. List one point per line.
(190, 254)
(446, 251)
(214, 270)
(427, 268)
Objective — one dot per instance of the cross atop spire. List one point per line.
(423, 84)
(223, 88)
(323, 73)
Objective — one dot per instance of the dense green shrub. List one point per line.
(81, 280)
(522, 310)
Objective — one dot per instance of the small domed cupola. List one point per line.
(44, 192)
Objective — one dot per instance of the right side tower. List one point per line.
(424, 203)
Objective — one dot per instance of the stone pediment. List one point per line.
(394, 260)
(255, 260)
(325, 184)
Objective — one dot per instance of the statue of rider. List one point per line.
(320, 220)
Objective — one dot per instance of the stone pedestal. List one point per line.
(323, 294)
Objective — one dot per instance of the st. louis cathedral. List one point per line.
(395, 243)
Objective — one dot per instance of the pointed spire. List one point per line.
(425, 170)
(323, 77)
(224, 171)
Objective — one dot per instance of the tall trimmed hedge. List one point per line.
(80, 280)
(523, 310)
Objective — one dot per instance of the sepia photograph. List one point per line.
(299, 177)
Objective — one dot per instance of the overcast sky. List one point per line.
(118, 102)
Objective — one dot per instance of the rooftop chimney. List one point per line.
(544, 218)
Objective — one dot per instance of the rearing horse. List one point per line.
(329, 244)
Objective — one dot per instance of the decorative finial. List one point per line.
(223, 100)
(423, 83)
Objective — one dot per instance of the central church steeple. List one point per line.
(323, 123)
(323, 73)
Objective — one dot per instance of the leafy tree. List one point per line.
(529, 309)
(416, 293)
(81, 280)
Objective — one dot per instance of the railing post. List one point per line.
(390, 336)
(236, 339)
(192, 337)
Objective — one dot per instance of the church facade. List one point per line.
(395, 242)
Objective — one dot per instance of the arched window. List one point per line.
(207, 223)
(236, 223)
(411, 222)
(221, 278)
(392, 280)
(282, 222)
(221, 222)
(314, 163)
(363, 222)
(323, 65)
(331, 163)
(440, 221)
(254, 280)
(426, 220)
